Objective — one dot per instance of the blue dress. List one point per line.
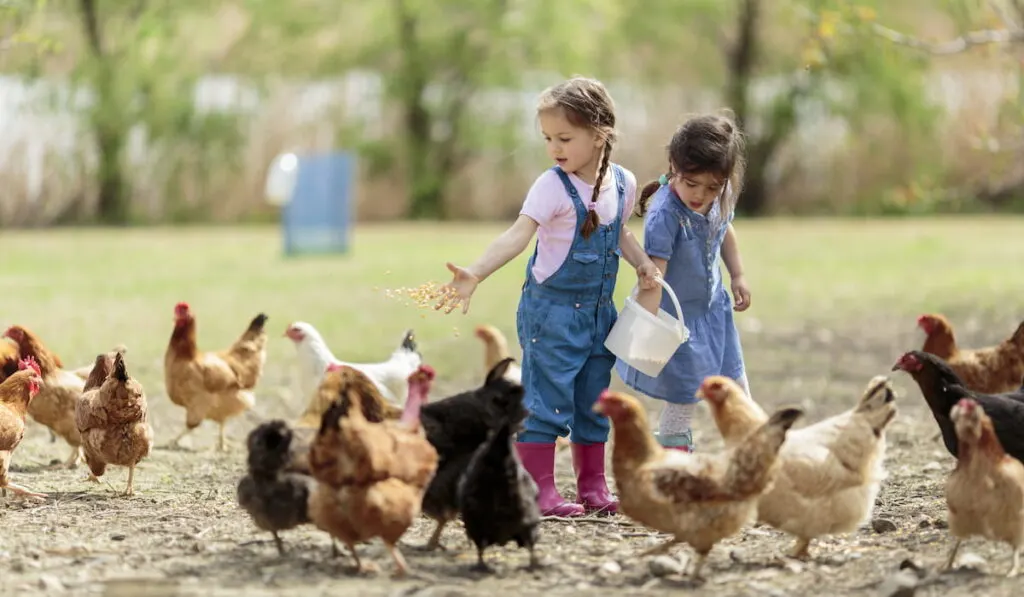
(562, 324)
(691, 243)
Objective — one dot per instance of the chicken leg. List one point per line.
(952, 555)
(1015, 568)
(22, 491)
(701, 558)
(435, 539)
(174, 442)
(401, 568)
(130, 490)
(221, 444)
(278, 543)
(73, 458)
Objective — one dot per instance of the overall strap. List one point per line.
(620, 183)
(570, 188)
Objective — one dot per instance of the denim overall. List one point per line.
(562, 324)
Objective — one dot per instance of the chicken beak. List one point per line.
(700, 393)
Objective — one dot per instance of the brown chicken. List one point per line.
(16, 394)
(990, 370)
(371, 476)
(54, 406)
(829, 473)
(9, 355)
(336, 383)
(212, 385)
(111, 416)
(699, 498)
(985, 493)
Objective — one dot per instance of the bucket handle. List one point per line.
(680, 327)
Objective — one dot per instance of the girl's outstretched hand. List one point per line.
(458, 291)
(647, 275)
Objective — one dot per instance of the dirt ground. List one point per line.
(183, 534)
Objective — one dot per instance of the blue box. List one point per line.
(318, 217)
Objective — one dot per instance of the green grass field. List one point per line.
(84, 291)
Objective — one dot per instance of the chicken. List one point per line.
(496, 350)
(16, 394)
(390, 376)
(829, 473)
(112, 417)
(85, 370)
(497, 498)
(371, 476)
(988, 370)
(54, 406)
(9, 355)
(942, 389)
(985, 493)
(699, 498)
(276, 499)
(457, 426)
(212, 386)
(374, 406)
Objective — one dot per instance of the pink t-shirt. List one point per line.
(548, 203)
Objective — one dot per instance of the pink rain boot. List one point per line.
(591, 486)
(539, 461)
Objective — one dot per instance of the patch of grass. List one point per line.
(84, 291)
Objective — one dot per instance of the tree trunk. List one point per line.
(108, 129)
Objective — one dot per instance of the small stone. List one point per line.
(931, 467)
(883, 525)
(50, 583)
(970, 560)
(610, 568)
(901, 584)
(118, 537)
(924, 523)
(663, 566)
(941, 524)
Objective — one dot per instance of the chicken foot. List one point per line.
(952, 555)
(481, 565)
(701, 558)
(801, 549)
(279, 543)
(174, 442)
(1015, 568)
(22, 491)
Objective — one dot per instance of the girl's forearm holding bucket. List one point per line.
(650, 299)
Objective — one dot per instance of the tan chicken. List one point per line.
(54, 406)
(16, 394)
(698, 498)
(991, 370)
(985, 493)
(112, 417)
(335, 383)
(371, 476)
(830, 472)
(212, 386)
(9, 355)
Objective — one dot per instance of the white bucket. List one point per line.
(643, 341)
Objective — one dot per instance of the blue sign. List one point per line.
(318, 216)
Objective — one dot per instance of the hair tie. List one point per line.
(592, 206)
(663, 179)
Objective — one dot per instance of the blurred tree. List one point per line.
(995, 28)
(819, 59)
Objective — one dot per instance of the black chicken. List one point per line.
(274, 498)
(497, 497)
(942, 389)
(456, 426)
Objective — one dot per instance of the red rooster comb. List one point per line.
(29, 362)
(427, 372)
(181, 308)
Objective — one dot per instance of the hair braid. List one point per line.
(592, 221)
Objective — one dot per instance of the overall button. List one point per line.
(577, 305)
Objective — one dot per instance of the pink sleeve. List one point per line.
(544, 199)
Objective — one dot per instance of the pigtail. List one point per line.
(592, 221)
(645, 196)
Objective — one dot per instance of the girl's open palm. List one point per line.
(459, 290)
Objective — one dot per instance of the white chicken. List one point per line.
(391, 376)
(831, 471)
